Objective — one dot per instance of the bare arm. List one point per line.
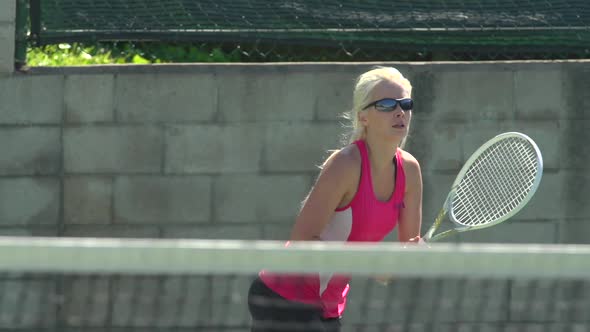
(411, 216)
(332, 185)
(410, 219)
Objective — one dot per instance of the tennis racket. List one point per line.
(496, 182)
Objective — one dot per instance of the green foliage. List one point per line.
(69, 55)
(119, 53)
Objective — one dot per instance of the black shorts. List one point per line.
(272, 313)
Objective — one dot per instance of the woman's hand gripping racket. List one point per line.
(494, 184)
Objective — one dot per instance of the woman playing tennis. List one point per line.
(362, 193)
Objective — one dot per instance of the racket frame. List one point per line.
(447, 206)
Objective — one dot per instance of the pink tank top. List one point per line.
(365, 219)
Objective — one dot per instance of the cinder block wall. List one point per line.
(7, 19)
(230, 151)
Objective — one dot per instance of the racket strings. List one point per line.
(516, 175)
(485, 202)
(478, 198)
(496, 182)
(479, 202)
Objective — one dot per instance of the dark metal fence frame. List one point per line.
(434, 42)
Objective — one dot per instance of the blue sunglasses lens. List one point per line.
(388, 105)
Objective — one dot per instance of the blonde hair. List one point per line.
(363, 89)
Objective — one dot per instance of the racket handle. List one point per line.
(435, 225)
(443, 235)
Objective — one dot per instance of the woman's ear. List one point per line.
(363, 120)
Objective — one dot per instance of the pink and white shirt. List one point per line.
(365, 219)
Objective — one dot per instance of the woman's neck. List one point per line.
(381, 152)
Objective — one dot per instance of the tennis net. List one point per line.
(74, 284)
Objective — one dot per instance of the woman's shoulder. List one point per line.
(411, 170)
(407, 157)
(346, 160)
(409, 161)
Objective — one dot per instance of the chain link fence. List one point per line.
(327, 30)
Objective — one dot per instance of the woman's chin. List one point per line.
(398, 133)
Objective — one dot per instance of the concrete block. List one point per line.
(456, 327)
(30, 150)
(539, 93)
(514, 230)
(89, 98)
(429, 326)
(367, 326)
(7, 11)
(28, 304)
(88, 200)
(297, 98)
(86, 301)
(31, 99)
(259, 199)
(423, 80)
(233, 148)
(162, 200)
(575, 150)
(94, 329)
(577, 91)
(113, 149)
(165, 97)
(161, 302)
(574, 195)
(436, 187)
(230, 300)
(393, 235)
(476, 135)
(484, 95)
(34, 230)
(548, 135)
(29, 201)
(7, 49)
(265, 96)
(333, 94)
(223, 232)
(115, 231)
(575, 231)
(299, 147)
(542, 327)
(547, 203)
(437, 146)
(549, 301)
(426, 300)
(573, 301)
(277, 231)
(463, 298)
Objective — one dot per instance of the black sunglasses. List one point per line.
(389, 104)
